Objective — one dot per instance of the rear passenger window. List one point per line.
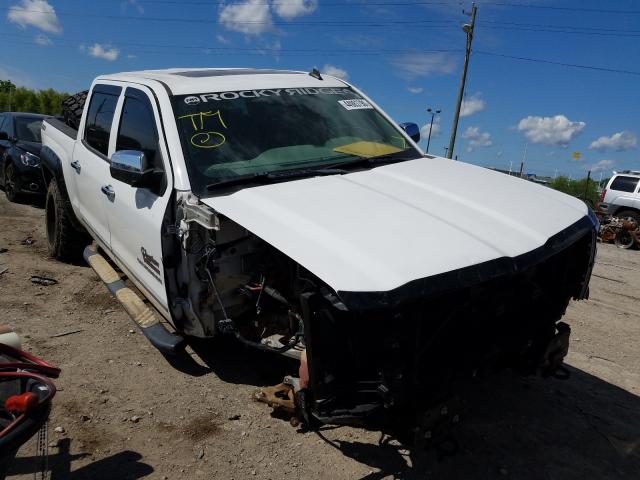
(624, 184)
(100, 116)
(138, 127)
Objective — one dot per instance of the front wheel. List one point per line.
(64, 242)
(11, 184)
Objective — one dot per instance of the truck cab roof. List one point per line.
(183, 81)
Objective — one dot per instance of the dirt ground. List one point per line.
(128, 413)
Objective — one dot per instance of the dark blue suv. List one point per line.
(20, 146)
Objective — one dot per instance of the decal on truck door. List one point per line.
(150, 264)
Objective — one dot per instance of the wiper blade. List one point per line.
(268, 177)
(261, 177)
(387, 158)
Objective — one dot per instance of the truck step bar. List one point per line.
(143, 316)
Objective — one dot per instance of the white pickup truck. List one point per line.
(287, 210)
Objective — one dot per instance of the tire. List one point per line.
(72, 108)
(11, 184)
(629, 213)
(624, 239)
(64, 242)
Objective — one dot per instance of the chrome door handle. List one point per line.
(76, 166)
(108, 191)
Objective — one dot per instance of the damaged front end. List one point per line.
(399, 353)
(368, 356)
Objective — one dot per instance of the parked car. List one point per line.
(621, 197)
(287, 211)
(20, 145)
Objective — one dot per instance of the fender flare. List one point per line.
(51, 166)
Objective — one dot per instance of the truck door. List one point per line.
(91, 161)
(135, 215)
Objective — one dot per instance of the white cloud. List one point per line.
(557, 130)
(105, 52)
(602, 165)
(619, 142)
(412, 65)
(132, 56)
(35, 13)
(415, 90)
(43, 40)
(221, 39)
(290, 9)
(335, 71)
(134, 4)
(437, 129)
(252, 17)
(471, 105)
(477, 139)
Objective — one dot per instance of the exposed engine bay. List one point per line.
(355, 359)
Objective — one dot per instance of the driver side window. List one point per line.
(137, 130)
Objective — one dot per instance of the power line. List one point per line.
(227, 50)
(400, 4)
(574, 32)
(552, 62)
(568, 9)
(306, 23)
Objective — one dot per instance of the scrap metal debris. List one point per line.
(40, 280)
(4, 270)
(624, 232)
(28, 241)
(278, 397)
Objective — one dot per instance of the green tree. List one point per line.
(21, 99)
(583, 188)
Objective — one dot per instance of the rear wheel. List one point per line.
(11, 183)
(64, 242)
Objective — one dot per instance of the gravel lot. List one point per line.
(128, 413)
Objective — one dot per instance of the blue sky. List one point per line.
(406, 54)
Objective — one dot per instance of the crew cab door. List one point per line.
(135, 214)
(90, 161)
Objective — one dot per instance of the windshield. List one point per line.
(28, 129)
(254, 132)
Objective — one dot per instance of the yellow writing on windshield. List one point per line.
(205, 139)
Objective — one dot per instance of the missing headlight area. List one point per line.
(360, 357)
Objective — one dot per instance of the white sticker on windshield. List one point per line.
(355, 104)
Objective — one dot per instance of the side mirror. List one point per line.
(412, 130)
(132, 167)
(4, 136)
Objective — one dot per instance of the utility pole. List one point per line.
(521, 169)
(433, 114)
(468, 29)
(586, 188)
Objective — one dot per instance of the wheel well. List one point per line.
(631, 209)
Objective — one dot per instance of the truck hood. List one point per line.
(379, 229)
